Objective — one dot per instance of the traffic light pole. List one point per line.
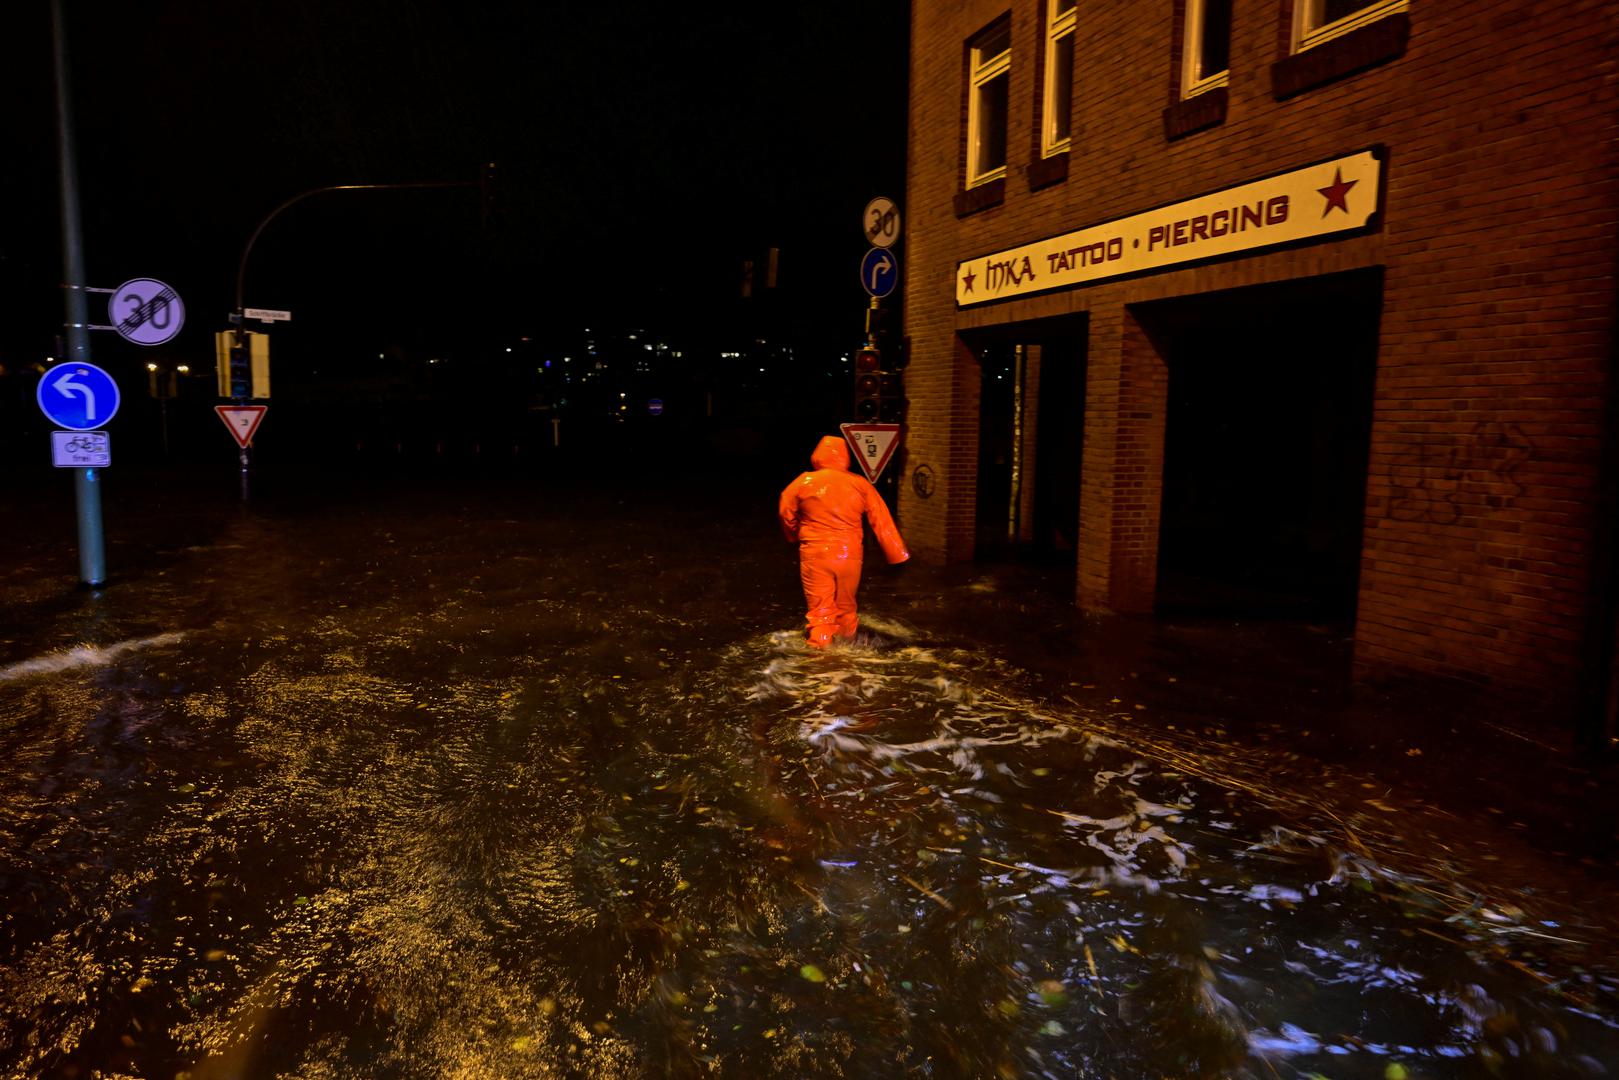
(240, 375)
(86, 482)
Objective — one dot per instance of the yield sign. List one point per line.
(873, 445)
(242, 420)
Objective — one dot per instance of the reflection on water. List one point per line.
(388, 841)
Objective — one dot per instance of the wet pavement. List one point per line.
(519, 780)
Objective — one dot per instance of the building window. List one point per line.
(1208, 45)
(990, 66)
(1316, 21)
(1058, 104)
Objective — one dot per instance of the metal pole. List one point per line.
(1014, 509)
(86, 482)
(241, 376)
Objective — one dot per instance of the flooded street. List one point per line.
(509, 783)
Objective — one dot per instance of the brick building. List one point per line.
(1304, 306)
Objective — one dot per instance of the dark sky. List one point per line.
(644, 151)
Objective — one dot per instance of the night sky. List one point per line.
(644, 152)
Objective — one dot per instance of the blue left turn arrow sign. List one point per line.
(77, 396)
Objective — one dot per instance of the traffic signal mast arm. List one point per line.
(241, 267)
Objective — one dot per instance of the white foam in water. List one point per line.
(967, 721)
(82, 656)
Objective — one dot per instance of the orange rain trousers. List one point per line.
(822, 512)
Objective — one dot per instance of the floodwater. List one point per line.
(518, 782)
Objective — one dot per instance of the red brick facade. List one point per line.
(1496, 251)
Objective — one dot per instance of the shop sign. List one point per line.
(1334, 196)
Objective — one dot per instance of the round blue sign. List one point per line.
(655, 406)
(879, 272)
(77, 396)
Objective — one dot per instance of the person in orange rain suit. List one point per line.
(820, 512)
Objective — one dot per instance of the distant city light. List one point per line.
(508, 348)
(184, 369)
(151, 367)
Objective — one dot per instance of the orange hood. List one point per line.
(831, 453)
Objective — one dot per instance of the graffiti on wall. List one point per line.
(1492, 454)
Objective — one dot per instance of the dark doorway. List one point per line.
(1059, 444)
(1267, 429)
(1030, 433)
(1001, 365)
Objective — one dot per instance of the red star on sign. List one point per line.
(967, 280)
(1337, 192)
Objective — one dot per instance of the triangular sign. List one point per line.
(242, 420)
(873, 445)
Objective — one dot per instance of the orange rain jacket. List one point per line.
(821, 512)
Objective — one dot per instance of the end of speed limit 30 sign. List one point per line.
(146, 311)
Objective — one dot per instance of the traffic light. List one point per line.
(878, 395)
(891, 407)
(244, 370)
(868, 384)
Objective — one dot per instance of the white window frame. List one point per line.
(1192, 50)
(982, 70)
(1309, 31)
(1058, 26)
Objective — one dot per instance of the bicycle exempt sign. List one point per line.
(81, 449)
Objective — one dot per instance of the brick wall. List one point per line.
(1498, 248)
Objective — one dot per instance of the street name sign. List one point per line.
(241, 421)
(76, 395)
(146, 311)
(80, 449)
(881, 222)
(874, 445)
(879, 272)
(267, 314)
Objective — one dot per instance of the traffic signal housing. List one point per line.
(243, 370)
(891, 406)
(868, 384)
(878, 394)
